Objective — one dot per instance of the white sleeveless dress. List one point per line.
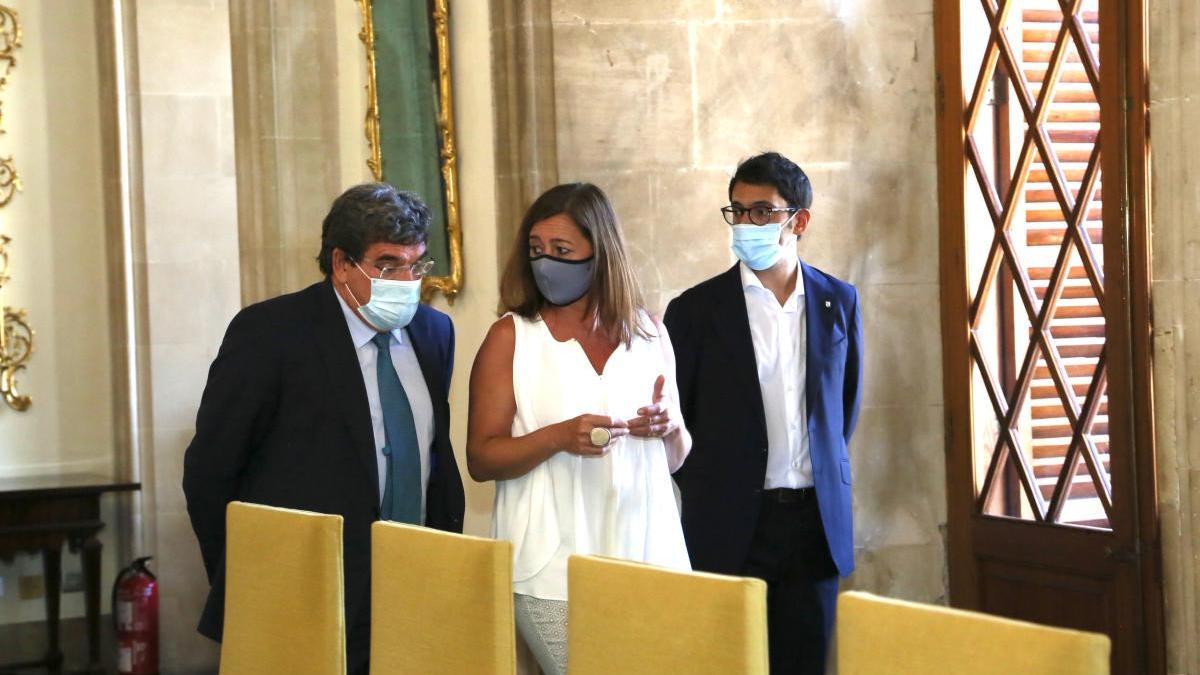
(621, 504)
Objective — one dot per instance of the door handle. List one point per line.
(1123, 554)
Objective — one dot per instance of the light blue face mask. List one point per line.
(393, 303)
(758, 245)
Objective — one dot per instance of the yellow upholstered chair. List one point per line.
(881, 636)
(284, 611)
(626, 617)
(440, 602)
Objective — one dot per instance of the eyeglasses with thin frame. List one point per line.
(417, 270)
(759, 215)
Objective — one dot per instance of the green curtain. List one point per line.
(406, 80)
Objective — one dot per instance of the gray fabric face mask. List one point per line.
(562, 281)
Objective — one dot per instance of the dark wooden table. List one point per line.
(41, 514)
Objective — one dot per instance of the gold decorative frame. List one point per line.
(452, 284)
(16, 337)
(10, 182)
(10, 39)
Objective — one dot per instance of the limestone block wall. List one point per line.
(186, 257)
(1175, 250)
(286, 125)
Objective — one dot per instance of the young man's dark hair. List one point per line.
(368, 214)
(772, 168)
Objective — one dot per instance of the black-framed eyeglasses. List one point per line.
(417, 270)
(759, 215)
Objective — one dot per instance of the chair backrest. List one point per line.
(881, 636)
(626, 617)
(440, 602)
(284, 610)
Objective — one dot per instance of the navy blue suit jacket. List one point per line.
(722, 406)
(284, 421)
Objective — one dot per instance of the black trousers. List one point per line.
(358, 649)
(790, 553)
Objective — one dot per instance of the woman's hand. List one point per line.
(575, 435)
(654, 420)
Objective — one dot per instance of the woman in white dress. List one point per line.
(573, 412)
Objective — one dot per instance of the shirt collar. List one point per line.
(361, 333)
(751, 280)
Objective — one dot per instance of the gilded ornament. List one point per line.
(451, 284)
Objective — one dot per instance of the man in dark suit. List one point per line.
(334, 399)
(769, 364)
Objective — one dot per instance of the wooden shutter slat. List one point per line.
(1046, 195)
(1055, 16)
(1048, 34)
(1043, 411)
(1053, 236)
(1056, 216)
(1069, 73)
(1081, 330)
(1091, 114)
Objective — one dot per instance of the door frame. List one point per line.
(1130, 344)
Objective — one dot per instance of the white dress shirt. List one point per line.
(780, 350)
(404, 360)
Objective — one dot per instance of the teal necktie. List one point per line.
(402, 486)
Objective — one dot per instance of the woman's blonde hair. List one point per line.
(615, 297)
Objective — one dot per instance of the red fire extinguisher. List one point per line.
(135, 616)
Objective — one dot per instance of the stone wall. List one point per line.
(1175, 249)
(188, 278)
(284, 57)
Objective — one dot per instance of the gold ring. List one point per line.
(600, 436)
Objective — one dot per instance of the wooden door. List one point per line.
(1044, 272)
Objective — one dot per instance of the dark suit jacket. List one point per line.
(284, 421)
(722, 406)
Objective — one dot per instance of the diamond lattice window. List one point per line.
(1036, 259)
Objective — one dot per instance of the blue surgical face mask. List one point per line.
(392, 304)
(758, 245)
(562, 281)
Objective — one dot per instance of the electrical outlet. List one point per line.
(31, 587)
(72, 582)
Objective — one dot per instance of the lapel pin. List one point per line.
(828, 304)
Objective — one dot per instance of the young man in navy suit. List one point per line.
(334, 399)
(769, 364)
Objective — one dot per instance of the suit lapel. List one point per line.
(819, 312)
(732, 325)
(423, 344)
(345, 377)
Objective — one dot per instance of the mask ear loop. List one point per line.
(351, 291)
(788, 220)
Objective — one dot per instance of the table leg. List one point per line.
(90, 556)
(52, 575)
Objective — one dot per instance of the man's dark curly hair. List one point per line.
(368, 214)
(781, 173)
